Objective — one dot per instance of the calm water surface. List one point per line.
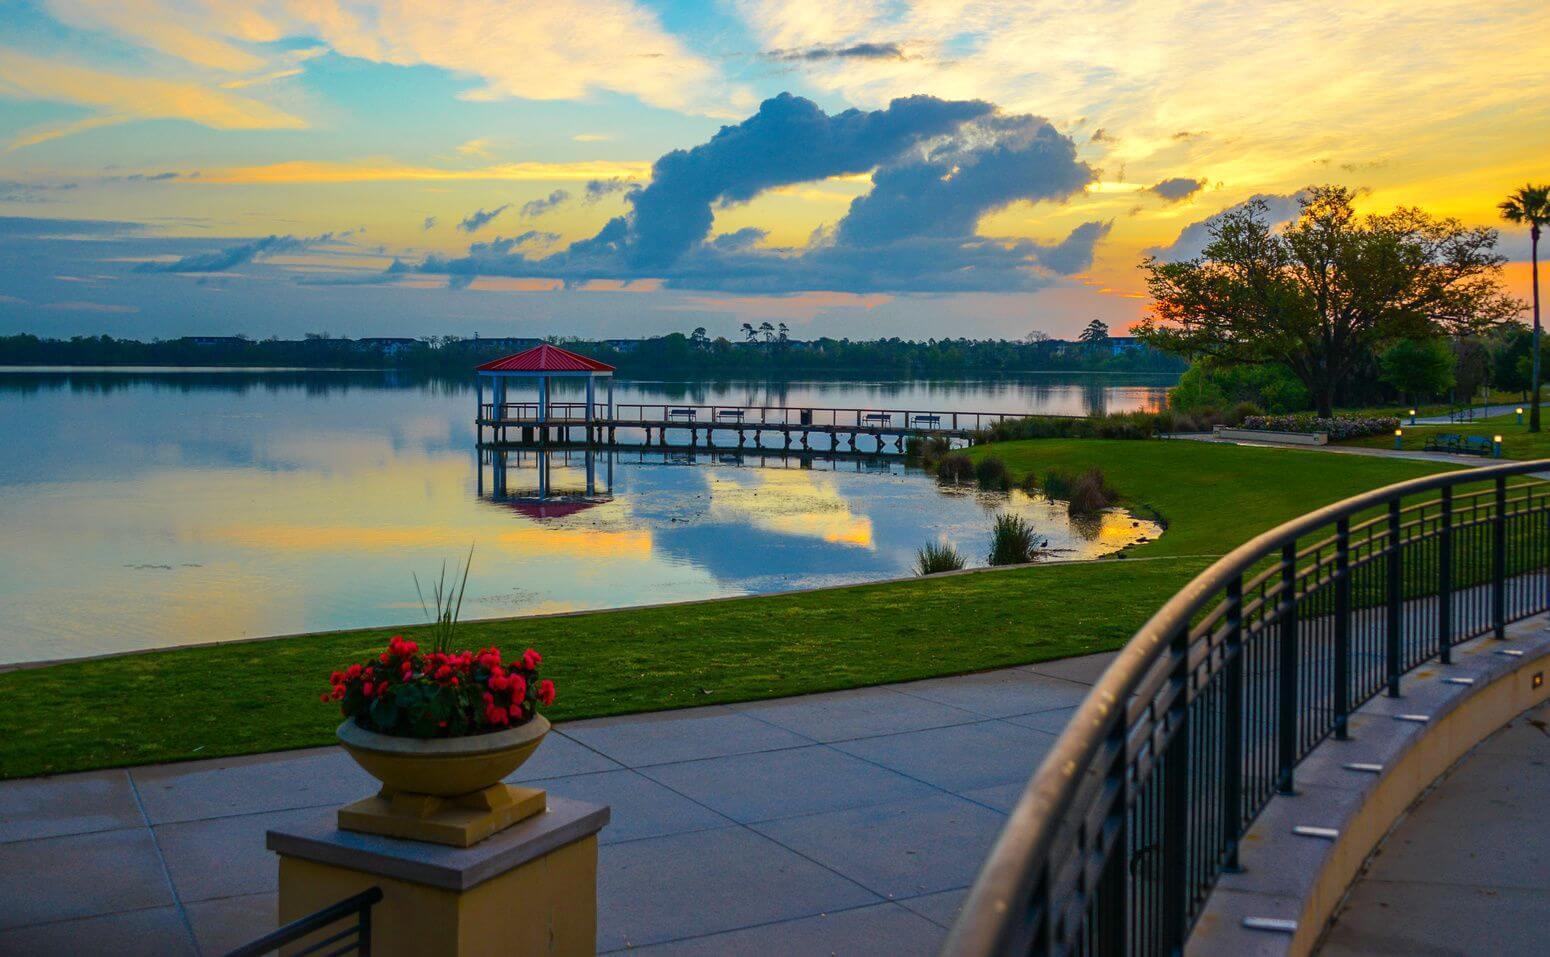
(155, 508)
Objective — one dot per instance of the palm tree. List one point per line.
(1531, 204)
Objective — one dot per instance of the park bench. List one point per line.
(1459, 444)
(877, 418)
(687, 415)
(729, 415)
(928, 421)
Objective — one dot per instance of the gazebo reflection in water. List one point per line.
(546, 483)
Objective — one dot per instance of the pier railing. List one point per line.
(687, 415)
(1205, 714)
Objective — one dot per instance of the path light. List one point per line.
(1496, 446)
(1412, 417)
(1399, 435)
(1520, 415)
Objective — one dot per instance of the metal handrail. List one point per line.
(1206, 711)
(358, 906)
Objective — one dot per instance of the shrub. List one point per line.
(955, 467)
(1339, 427)
(1012, 541)
(1090, 494)
(1241, 411)
(935, 558)
(990, 472)
(1057, 483)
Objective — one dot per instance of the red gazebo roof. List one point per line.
(546, 358)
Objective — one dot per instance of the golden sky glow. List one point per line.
(212, 122)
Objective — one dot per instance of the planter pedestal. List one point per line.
(530, 888)
(459, 821)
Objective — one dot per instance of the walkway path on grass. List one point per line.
(1467, 871)
(847, 822)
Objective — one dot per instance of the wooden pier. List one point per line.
(529, 424)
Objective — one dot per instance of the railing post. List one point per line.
(1499, 562)
(1286, 730)
(1232, 747)
(1342, 688)
(1392, 651)
(1445, 578)
(1119, 850)
(1176, 802)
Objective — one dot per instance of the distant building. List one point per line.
(622, 345)
(1119, 344)
(386, 345)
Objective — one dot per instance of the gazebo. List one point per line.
(542, 363)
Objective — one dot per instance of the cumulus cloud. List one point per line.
(1194, 237)
(544, 204)
(154, 177)
(430, 223)
(599, 188)
(504, 244)
(17, 191)
(854, 51)
(1177, 188)
(233, 256)
(938, 167)
(478, 219)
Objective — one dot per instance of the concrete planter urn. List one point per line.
(443, 790)
(444, 767)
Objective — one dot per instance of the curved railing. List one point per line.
(1206, 712)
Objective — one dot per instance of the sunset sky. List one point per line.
(915, 167)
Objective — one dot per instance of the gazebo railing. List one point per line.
(1205, 714)
(687, 415)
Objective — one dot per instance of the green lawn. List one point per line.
(234, 699)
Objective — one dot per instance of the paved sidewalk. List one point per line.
(850, 822)
(1467, 871)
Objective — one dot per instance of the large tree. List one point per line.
(1531, 205)
(1324, 293)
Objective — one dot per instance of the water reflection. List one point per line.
(146, 510)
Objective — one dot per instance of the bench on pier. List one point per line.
(927, 421)
(729, 415)
(688, 415)
(1459, 444)
(878, 418)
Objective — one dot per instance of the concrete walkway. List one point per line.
(850, 822)
(1467, 871)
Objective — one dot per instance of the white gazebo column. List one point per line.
(543, 408)
(610, 418)
(591, 397)
(478, 409)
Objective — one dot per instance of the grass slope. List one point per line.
(235, 699)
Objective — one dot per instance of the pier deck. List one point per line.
(564, 422)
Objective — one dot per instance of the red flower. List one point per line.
(518, 686)
(546, 692)
(531, 659)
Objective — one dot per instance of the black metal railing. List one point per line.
(355, 938)
(1204, 715)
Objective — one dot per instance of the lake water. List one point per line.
(150, 508)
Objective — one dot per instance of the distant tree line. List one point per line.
(763, 352)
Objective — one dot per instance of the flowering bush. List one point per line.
(1339, 427)
(440, 694)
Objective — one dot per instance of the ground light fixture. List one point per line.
(1496, 446)
(1412, 417)
(1399, 436)
(1520, 415)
